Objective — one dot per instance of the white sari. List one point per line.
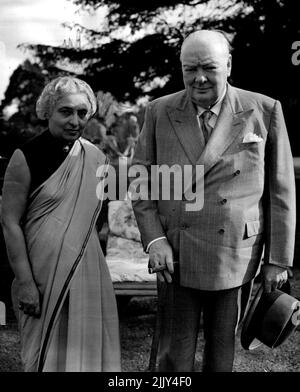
(78, 329)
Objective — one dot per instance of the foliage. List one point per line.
(134, 53)
(262, 55)
(25, 85)
(113, 129)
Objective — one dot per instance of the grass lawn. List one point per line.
(137, 320)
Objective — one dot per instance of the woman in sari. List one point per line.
(63, 292)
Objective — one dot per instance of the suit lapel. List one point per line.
(231, 121)
(184, 120)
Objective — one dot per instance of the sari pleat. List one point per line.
(78, 328)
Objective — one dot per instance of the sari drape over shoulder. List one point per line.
(78, 328)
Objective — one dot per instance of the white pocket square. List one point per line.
(251, 137)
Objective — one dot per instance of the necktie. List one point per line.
(206, 128)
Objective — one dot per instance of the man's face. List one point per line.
(69, 117)
(206, 66)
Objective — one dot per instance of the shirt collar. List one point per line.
(216, 107)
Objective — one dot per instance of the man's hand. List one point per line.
(273, 277)
(161, 256)
(29, 298)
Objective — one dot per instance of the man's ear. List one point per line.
(229, 64)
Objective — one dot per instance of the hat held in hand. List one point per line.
(270, 319)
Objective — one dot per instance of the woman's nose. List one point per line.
(74, 120)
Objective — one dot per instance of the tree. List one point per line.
(262, 56)
(135, 53)
(21, 93)
(262, 34)
(24, 87)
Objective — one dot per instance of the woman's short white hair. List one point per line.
(60, 87)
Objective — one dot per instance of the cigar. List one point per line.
(160, 268)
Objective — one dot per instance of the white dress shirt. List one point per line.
(215, 109)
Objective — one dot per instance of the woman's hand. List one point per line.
(29, 298)
(14, 202)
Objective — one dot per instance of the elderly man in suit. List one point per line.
(240, 139)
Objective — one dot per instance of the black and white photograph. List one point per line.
(149, 189)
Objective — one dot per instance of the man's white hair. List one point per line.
(217, 33)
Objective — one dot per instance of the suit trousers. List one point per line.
(181, 308)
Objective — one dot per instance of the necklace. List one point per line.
(66, 148)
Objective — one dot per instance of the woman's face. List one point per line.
(69, 117)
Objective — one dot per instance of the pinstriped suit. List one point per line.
(249, 194)
(249, 208)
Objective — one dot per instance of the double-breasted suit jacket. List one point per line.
(249, 188)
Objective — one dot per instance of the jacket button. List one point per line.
(183, 227)
(221, 231)
(236, 173)
(224, 201)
